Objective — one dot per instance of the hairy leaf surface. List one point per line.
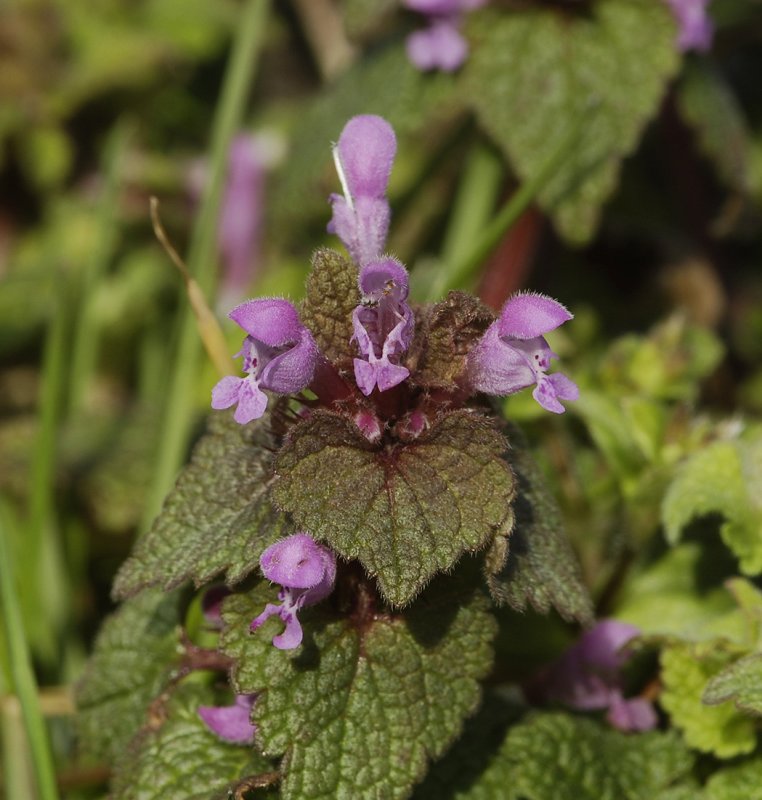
(369, 697)
(217, 519)
(178, 758)
(133, 659)
(405, 511)
(540, 568)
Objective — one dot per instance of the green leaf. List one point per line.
(217, 518)
(741, 682)
(406, 511)
(541, 568)
(450, 329)
(552, 756)
(332, 295)
(739, 782)
(533, 74)
(178, 758)
(723, 478)
(681, 595)
(369, 697)
(686, 671)
(708, 105)
(134, 656)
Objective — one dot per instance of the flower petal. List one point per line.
(292, 635)
(231, 723)
(440, 46)
(637, 714)
(495, 367)
(366, 151)
(526, 316)
(297, 561)
(271, 320)
(292, 370)
(252, 402)
(227, 392)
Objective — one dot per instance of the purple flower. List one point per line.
(588, 677)
(513, 354)
(211, 605)
(231, 723)
(279, 354)
(363, 159)
(383, 326)
(695, 28)
(441, 45)
(306, 570)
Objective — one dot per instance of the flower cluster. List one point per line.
(383, 396)
(306, 572)
(588, 677)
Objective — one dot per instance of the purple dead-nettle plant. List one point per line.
(363, 156)
(695, 27)
(589, 677)
(513, 353)
(231, 723)
(278, 353)
(306, 571)
(440, 46)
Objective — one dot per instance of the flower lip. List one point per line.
(529, 315)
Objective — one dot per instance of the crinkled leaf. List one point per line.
(740, 682)
(540, 568)
(450, 330)
(739, 782)
(685, 672)
(369, 697)
(533, 74)
(332, 294)
(709, 106)
(217, 518)
(406, 511)
(134, 656)
(723, 478)
(178, 758)
(385, 83)
(552, 756)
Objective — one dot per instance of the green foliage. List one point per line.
(370, 696)
(739, 782)
(218, 518)
(540, 568)
(724, 479)
(550, 756)
(177, 757)
(741, 682)
(406, 511)
(709, 106)
(685, 672)
(332, 295)
(564, 67)
(362, 16)
(134, 657)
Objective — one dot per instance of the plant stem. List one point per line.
(21, 669)
(178, 409)
(456, 272)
